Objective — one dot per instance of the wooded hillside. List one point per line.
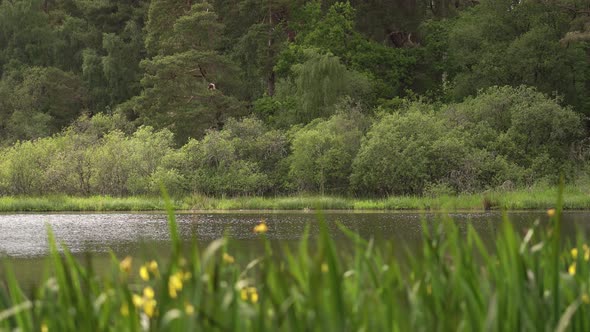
(274, 96)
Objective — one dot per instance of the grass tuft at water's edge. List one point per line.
(574, 198)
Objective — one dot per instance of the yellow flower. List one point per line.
(149, 307)
(124, 311)
(227, 258)
(125, 264)
(261, 228)
(249, 293)
(586, 252)
(174, 284)
(145, 302)
(143, 273)
(137, 300)
(325, 268)
(551, 212)
(574, 253)
(586, 298)
(148, 293)
(188, 308)
(44, 328)
(572, 269)
(244, 294)
(254, 296)
(153, 267)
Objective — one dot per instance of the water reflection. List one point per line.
(24, 235)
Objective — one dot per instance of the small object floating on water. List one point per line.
(261, 228)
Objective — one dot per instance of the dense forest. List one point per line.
(269, 97)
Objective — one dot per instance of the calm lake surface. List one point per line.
(23, 237)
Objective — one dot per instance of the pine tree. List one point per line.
(187, 84)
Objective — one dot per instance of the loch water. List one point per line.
(24, 245)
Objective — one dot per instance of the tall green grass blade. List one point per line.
(556, 246)
(173, 226)
(454, 281)
(21, 311)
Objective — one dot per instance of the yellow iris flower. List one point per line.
(149, 307)
(189, 309)
(145, 302)
(175, 284)
(229, 259)
(572, 269)
(143, 273)
(148, 293)
(249, 293)
(125, 264)
(153, 267)
(125, 310)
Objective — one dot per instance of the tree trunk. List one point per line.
(271, 77)
(271, 84)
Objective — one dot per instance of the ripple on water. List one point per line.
(25, 235)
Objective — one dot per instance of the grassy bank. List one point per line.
(69, 203)
(454, 282)
(526, 199)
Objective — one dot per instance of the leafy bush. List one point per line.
(25, 164)
(112, 164)
(323, 152)
(402, 153)
(240, 159)
(523, 126)
(148, 148)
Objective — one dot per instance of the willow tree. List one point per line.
(319, 84)
(334, 31)
(188, 83)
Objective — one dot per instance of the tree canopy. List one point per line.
(348, 97)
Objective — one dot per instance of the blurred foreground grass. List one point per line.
(530, 282)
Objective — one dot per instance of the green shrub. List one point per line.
(112, 164)
(526, 128)
(147, 149)
(402, 153)
(323, 152)
(25, 165)
(227, 163)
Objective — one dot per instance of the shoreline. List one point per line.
(575, 198)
